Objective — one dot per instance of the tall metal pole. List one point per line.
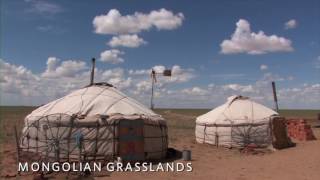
(92, 71)
(275, 95)
(166, 72)
(153, 73)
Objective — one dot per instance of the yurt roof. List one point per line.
(97, 99)
(237, 109)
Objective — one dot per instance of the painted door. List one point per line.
(131, 141)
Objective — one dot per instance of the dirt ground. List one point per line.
(208, 162)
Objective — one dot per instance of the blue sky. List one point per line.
(33, 30)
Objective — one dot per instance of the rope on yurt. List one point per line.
(204, 132)
(252, 112)
(52, 136)
(216, 139)
(69, 135)
(111, 105)
(37, 137)
(95, 97)
(114, 141)
(82, 99)
(52, 106)
(58, 125)
(124, 97)
(49, 127)
(46, 142)
(57, 150)
(27, 135)
(79, 143)
(28, 139)
(231, 135)
(96, 143)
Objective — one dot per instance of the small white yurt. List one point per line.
(237, 123)
(96, 122)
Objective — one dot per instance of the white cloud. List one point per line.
(269, 77)
(239, 88)
(178, 74)
(159, 68)
(8, 70)
(290, 78)
(45, 28)
(228, 76)
(211, 86)
(142, 87)
(127, 40)
(164, 19)
(52, 63)
(113, 73)
(115, 23)
(181, 75)
(120, 83)
(245, 41)
(306, 95)
(300, 96)
(263, 67)
(20, 86)
(139, 72)
(15, 79)
(67, 68)
(43, 7)
(291, 24)
(197, 91)
(142, 80)
(112, 56)
(51, 29)
(116, 77)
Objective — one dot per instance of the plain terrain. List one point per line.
(298, 163)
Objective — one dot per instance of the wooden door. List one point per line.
(131, 141)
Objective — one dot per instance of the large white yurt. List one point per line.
(237, 123)
(96, 122)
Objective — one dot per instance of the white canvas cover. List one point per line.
(94, 111)
(238, 122)
(95, 100)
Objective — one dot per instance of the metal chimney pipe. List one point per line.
(275, 95)
(153, 76)
(92, 71)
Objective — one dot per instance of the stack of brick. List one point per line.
(299, 129)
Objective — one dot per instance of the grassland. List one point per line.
(12, 115)
(208, 162)
(308, 114)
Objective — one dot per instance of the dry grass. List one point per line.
(208, 162)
